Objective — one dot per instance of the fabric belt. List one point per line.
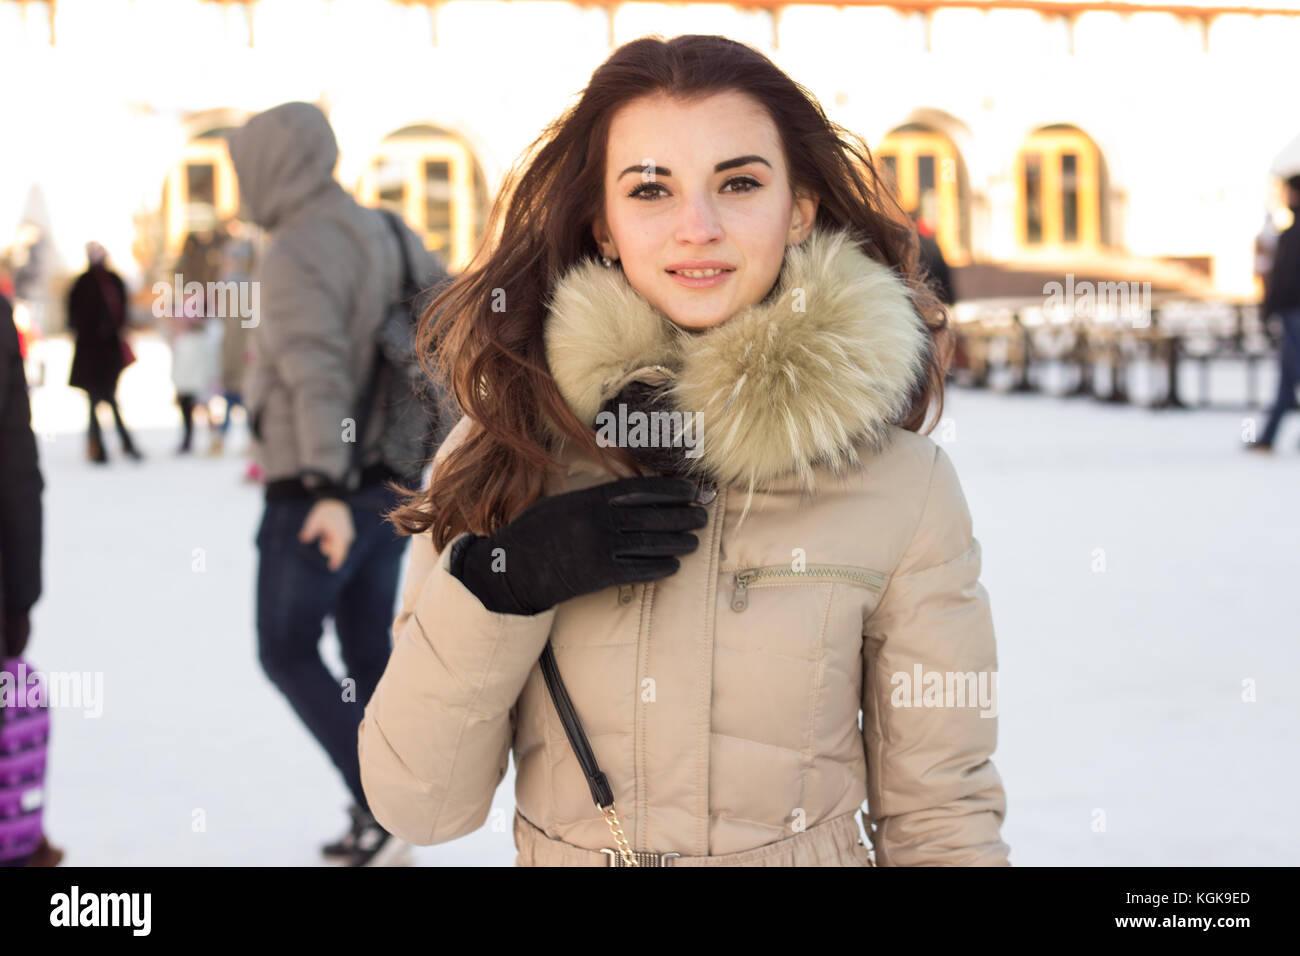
(836, 842)
(292, 489)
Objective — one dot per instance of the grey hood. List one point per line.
(326, 279)
(282, 157)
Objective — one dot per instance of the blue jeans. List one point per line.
(232, 399)
(1288, 374)
(296, 590)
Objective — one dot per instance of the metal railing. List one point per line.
(1016, 338)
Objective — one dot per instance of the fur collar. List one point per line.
(822, 366)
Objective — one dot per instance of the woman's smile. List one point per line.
(704, 277)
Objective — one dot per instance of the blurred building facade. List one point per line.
(1032, 133)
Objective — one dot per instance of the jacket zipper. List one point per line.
(745, 578)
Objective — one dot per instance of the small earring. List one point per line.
(605, 261)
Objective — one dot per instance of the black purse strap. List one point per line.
(596, 780)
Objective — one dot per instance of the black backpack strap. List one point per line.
(409, 291)
(409, 287)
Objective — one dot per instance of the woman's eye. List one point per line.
(641, 191)
(644, 191)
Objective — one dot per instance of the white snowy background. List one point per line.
(1124, 738)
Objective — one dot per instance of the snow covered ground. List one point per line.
(1139, 565)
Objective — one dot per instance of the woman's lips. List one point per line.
(701, 281)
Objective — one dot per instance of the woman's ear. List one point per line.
(604, 242)
(802, 217)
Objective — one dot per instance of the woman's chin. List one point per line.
(695, 326)
(699, 319)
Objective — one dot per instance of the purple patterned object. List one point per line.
(24, 739)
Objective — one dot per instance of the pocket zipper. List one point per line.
(745, 578)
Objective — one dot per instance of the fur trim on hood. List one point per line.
(827, 362)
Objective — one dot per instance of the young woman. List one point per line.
(693, 237)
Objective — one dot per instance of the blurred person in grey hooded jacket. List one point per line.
(328, 272)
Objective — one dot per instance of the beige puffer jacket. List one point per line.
(723, 702)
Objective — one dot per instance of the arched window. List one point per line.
(27, 22)
(430, 178)
(926, 169)
(201, 190)
(1058, 196)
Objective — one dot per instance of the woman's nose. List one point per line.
(699, 224)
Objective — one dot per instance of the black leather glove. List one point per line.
(575, 543)
(667, 459)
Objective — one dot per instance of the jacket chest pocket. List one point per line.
(787, 666)
(745, 580)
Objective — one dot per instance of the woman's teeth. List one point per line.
(699, 273)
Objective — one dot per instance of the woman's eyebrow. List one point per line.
(725, 164)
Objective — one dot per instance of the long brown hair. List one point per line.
(484, 332)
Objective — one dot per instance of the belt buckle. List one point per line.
(643, 858)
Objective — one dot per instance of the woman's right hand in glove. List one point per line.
(578, 542)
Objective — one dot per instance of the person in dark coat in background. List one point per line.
(20, 494)
(933, 261)
(1282, 300)
(21, 485)
(237, 257)
(97, 315)
(940, 280)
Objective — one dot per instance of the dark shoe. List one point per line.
(342, 848)
(129, 449)
(95, 450)
(45, 854)
(375, 846)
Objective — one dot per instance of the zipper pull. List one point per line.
(705, 493)
(740, 597)
(626, 593)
